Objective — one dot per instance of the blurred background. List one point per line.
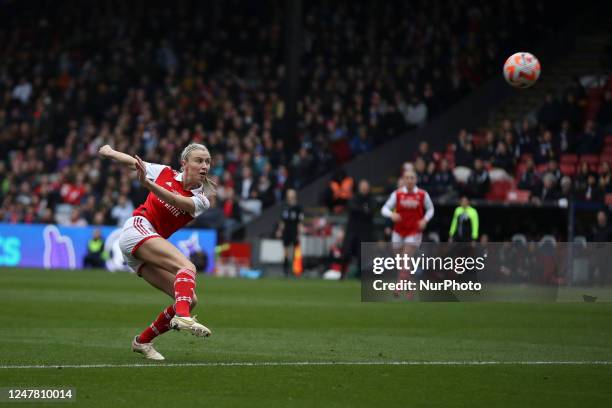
(331, 99)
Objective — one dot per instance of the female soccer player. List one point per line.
(410, 208)
(175, 199)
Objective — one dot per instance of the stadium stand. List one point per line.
(221, 83)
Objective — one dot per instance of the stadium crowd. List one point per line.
(75, 77)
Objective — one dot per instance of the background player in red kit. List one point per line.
(413, 210)
(175, 199)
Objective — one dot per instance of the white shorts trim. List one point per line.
(408, 239)
(136, 230)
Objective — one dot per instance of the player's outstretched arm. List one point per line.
(110, 153)
(178, 201)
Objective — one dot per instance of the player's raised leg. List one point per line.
(164, 255)
(164, 281)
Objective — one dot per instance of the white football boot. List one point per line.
(191, 325)
(146, 349)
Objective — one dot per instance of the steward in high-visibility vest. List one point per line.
(464, 227)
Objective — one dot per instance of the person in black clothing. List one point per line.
(95, 251)
(464, 150)
(604, 117)
(361, 209)
(290, 226)
(547, 191)
(550, 113)
(601, 233)
(443, 183)
(479, 182)
(502, 158)
(529, 179)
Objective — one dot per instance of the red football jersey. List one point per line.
(412, 206)
(166, 218)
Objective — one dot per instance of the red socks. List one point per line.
(159, 326)
(184, 285)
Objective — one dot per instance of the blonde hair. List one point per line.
(185, 155)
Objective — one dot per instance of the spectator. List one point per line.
(567, 191)
(529, 179)
(360, 143)
(415, 114)
(423, 152)
(570, 111)
(581, 178)
(601, 233)
(420, 168)
(488, 149)
(232, 214)
(246, 185)
(122, 211)
(464, 150)
(545, 150)
(566, 138)
(589, 142)
(604, 116)
(593, 191)
(503, 159)
(549, 114)
(547, 191)
(553, 168)
(443, 184)
(76, 219)
(265, 191)
(22, 91)
(478, 182)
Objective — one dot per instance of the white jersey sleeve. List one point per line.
(429, 207)
(201, 204)
(387, 209)
(153, 170)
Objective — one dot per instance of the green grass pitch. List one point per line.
(78, 318)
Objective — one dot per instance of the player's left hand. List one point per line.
(140, 170)
(422, 224)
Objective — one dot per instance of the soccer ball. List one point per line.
(522, 70)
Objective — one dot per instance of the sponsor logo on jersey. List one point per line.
(409, 203)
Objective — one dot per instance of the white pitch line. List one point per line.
(308, 363)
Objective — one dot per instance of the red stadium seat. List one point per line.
(567, 169)
(569, 158)
(499, 190)
(606, 158)
(341, 151)
(520, 169)
(608, 199)
(595, 93)
(518, 196)
(608, 140)
(607, 149)
(541, 168)
(590, 159)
